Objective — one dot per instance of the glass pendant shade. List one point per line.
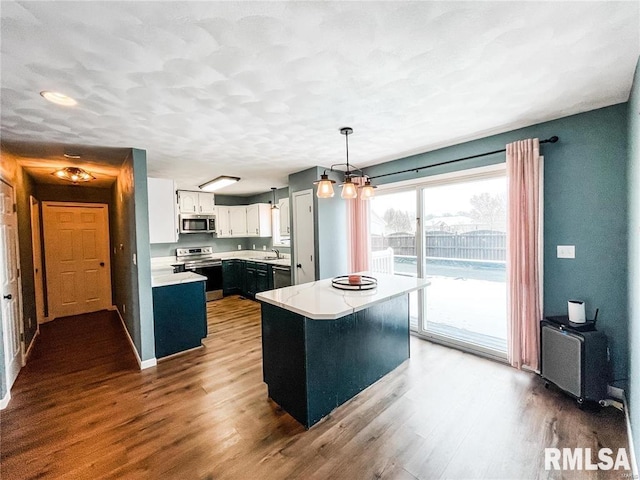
(325, 187)
(366, 192)
(349, 189)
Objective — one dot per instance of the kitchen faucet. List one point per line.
(277, 252)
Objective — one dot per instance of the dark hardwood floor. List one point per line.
(82, 409)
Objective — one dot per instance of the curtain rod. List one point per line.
(553, 139)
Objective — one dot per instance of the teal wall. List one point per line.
(585, 203)
(330, 220)
(633, 394)
(24, 188)
(130, 235)
(141, 210)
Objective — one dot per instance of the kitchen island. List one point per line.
(322, 346)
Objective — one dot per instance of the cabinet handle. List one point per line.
(287, 229)
(7, 297)
(299, 265)
(256, 230)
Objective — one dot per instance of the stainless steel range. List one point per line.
(202, 261)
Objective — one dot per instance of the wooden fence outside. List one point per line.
(476, 245)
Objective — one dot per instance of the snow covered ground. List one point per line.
(470, 308)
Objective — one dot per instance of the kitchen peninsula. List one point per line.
(322, 346)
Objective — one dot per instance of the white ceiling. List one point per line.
(259, 90)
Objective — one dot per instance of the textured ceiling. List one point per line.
(259, 90)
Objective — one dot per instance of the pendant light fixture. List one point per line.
(274, 205)
(349, 189)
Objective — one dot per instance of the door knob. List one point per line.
(7, 297)
(102, 264)
(299, 265)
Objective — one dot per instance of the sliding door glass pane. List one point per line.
(393, 238)
(465, 261)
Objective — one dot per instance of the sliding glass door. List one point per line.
(453, 233)
(464, 258)
(392, 227)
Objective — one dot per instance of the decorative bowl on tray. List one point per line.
(354, 282)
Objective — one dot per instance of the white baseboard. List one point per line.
(5, 401)
(30, 348)
(619, 394)
(632, 453)
(615, 392)
(152, 362)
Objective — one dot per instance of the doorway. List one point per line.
(9, 284)
(77, 260)
(303, 237)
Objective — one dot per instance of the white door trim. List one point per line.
(21, 359)
(296, 236)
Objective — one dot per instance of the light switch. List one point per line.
(135, 259)
(566, 251)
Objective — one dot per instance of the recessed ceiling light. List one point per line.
(58, 98)
(218, 183)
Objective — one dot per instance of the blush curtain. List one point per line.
(358, 231)
(524, 259)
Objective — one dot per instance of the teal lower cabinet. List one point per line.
(249, 279)
(232, 276)
(263, 277)
(180, 317)
(246, 277)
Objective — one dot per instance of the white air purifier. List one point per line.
(576, 311)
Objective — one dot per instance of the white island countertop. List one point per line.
(163, 280)
(320, 301)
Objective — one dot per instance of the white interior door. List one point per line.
(9, 286)
(303, 241)
(36, 238)
(76, 243)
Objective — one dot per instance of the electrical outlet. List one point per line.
(566, 251)
(254, 246)
(135, 259)
(239, 247)
(264, 247)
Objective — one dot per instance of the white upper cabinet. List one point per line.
(196, 202)
(259, 220)
(163, 215)
(206, 201)
(244, 220)
(223, 226)
(238, 221)
(285, 229)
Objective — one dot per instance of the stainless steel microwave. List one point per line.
(197, 223)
